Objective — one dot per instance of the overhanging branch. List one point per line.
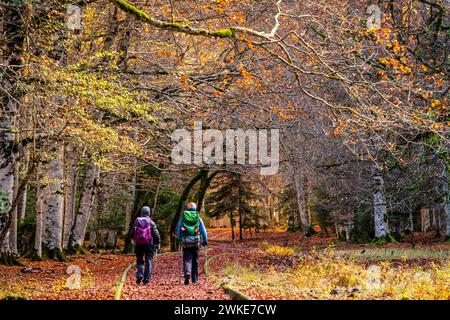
(184, 28)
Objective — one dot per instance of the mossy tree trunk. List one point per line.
(70, 199)
(53, 206)
(205, 183)
(184, 196)
(11, 58)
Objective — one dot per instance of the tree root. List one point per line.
(9, 259)
(76, 249)
(33, 255)
(54, 254)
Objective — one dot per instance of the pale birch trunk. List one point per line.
(40, 192)
(380, 210)
(54, 207)
(70, 200)
(23, 204)
(301, 201)
(81, 219)
(130, 203)
(7, 160)
(23, 201)
(26, 154)
(446, 199)
(12, 24)
(14, 214)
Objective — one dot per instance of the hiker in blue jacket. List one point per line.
(147, 240)
(192, 234)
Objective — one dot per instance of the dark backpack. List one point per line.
(190, 224)
(142, 230)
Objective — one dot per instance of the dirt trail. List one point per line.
(167, 283)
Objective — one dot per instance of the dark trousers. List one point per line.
(190, 262)
(144, 266)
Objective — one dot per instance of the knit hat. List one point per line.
(146, 211)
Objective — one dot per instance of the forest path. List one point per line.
(167, 282)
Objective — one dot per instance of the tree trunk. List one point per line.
(239, 207)
(446, 196)
(40, 194)
(70, 194)
(424, 219)
(112, 239)
(23, 202)
(7, 159)
(301, 202)
(205, 182)
(132, 194)
(13, 20)
(54, 207)
(380, 210)
(81, 220)
(183, 198)
(14, 214)
(232, 225)
(92, 240)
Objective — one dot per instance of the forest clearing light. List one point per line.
(209, 144)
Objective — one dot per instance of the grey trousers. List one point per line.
(190, 262)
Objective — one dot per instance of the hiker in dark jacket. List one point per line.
(147, 240)
(191, 233)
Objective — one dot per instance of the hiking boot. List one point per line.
(145, 282)
(138, 280)
(186, 279)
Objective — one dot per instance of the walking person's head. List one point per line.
(146, 212)
(191, 206)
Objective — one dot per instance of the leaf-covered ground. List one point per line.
(280, 266)
(272, 265)
(167, 283)
(47, 280)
